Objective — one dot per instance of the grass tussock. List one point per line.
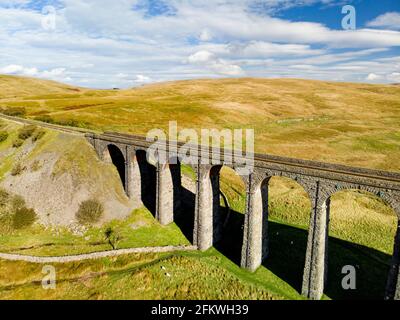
(90, 212)
(26, 132)
(17, 142)
(3, 136)
(14, 214)
(17, 169)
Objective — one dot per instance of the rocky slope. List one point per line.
(57, 173)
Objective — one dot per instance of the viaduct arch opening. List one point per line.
(286, 208)
(370, 253)
(148, 181)
(229, 195)
(114, 155)
(184, 198)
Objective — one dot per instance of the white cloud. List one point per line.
(373, 77)
(11, 69)
(227, 69)
(204, 38)
(205, 35)
(53, 74)
(122, 75)
(202, 57)
(228, 20)
(142, 79)
(259, 49)
(211, 61)
(389, 20)
(302, 66)
(394, 77)
(18, 70)
(13, 2)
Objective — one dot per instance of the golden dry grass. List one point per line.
(141, 276)
(350, 123)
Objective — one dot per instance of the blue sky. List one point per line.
(126, 43)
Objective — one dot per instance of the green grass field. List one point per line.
(139, 230)
(179, 276)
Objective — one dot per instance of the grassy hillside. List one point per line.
(350, 123)
(13, 87)
(355, 124)
(138, 230)
(182, 276)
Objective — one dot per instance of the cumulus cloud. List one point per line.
(227, 69)
(373, 77)
(211, 61)
(228, 20)
(53, 74)
(389, 20)
(394, 77)
(390, 77)
(7, 3)
(202, 57)
(185, 39)
(205, 35)
(142, 79)
(19, 70)
(261, 49)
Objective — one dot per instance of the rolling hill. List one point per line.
(349, 123)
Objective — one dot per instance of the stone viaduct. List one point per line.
(319, 180)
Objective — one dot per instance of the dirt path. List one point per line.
(94, 255)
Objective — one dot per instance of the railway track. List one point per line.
(51, 126)
(298, 163)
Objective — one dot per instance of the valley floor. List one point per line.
(214, 274)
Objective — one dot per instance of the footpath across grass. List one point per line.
(139, 230)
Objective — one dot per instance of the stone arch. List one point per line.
(214, 174)
(260, 175)
(280, 246)
(229, 216)
(146, 180)
(389, 197)
(182, 193)
(113, 154)
(389, 278)
(208, 225)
